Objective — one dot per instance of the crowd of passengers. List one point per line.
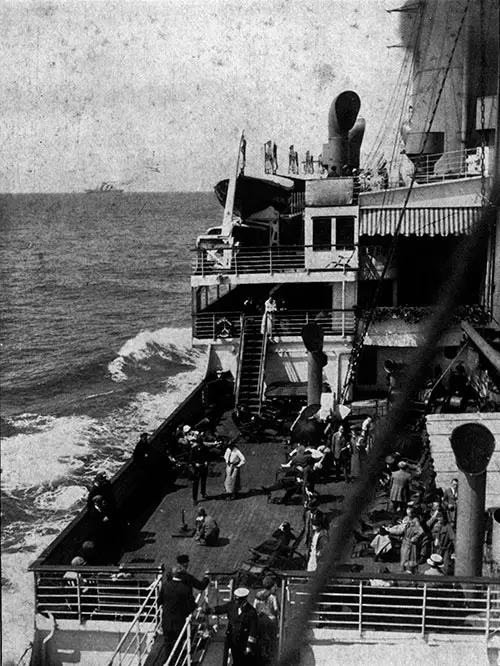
(418, 519)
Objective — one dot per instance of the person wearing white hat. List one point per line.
(242, 627)
(435, 563)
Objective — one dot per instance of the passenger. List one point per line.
(199, 457)
(410, 530)
(268, 613)
(106, 530)
(345, 460)
(450, 499)
(332, 172)
(399, 493)
(283, 536)
(102, 487)
(207, 530)
(183, 436)
(143, 452)
(177, 603)
(338, 441)
(189, 579)
(242, 628)
(381, 544)
(234, 459)
(359, 455)
(319, 542)
(435, 563)
(443, 541)
(266, 327)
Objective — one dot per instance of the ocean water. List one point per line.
(95, 349)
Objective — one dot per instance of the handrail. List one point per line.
(262, 364)
(241, 352)
(137, 619)
(399, 602)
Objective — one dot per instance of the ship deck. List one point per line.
(244, 523)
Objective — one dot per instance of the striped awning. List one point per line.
(418, 221)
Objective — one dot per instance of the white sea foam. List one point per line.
(166, 343)
(17, 595)
(62, 499)
(46, 455)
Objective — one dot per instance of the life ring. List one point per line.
(223, 328)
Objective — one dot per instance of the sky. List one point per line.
(154, 94)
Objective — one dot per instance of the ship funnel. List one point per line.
(473, 445)
(341, 120)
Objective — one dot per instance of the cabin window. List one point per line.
(322, 233)
(344, 229)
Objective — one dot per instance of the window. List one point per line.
(322, 234)
(344, 233)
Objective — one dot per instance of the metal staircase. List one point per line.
(251, 365)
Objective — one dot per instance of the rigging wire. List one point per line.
(364, 323)
(362, 492)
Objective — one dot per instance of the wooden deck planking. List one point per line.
(244, 522)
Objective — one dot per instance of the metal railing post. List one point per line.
(424, 605)
(284, 590)
(79, 597)
(138, 641)
(360, 608)
(188, 644)
(488, 611)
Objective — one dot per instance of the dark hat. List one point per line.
(268, 582)
(183, 559)
(201, 512)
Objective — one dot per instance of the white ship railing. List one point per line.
(269, 259)
(430, 168)
(95, 593)
(399, 603)
(286, 323)
(137, 641)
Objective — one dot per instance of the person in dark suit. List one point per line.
(450, 499)
(101, 486)
(188, 579)
(177, 603)
(242, 629)
(143, 452)
(198, 465)
(399, 493)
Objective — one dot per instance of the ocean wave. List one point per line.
(170, 345)
(50, 450)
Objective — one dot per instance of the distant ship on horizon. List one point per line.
(104, 187)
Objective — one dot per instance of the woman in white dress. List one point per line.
(266, 326)
(234, 461)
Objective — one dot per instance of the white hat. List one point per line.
(435, 560)
(186, 429)
(241, 592)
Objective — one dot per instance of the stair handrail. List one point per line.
(262, 365)
(239, 361)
